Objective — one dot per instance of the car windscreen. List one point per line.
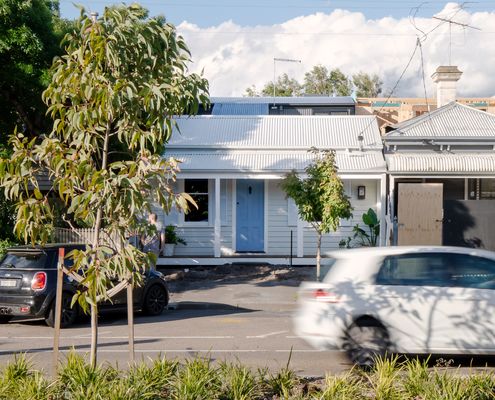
(33, 260)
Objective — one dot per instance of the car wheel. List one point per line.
(365, 342)
(69, 314)
(5, 318)
(156, 300)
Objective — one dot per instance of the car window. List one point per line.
(426, 269)
(473, 271)
(28, 261)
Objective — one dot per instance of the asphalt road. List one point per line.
(255, 338)
(236, 314)
(233, 316)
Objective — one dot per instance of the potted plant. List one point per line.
(171, 239)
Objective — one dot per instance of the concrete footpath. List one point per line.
(261, 287)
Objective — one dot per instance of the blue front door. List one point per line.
(250, 215)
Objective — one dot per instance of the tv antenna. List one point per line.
(281, 60)
(452, 22)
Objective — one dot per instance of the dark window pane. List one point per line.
(487, 189)
(193, 186)
(201, 213)
(471, 271)
(430, 269)
(198, 189)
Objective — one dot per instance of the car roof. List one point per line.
(41, 248)
(396, 250)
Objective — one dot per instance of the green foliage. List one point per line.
(343, 387)
(122, 80)
(362, 237)
(172, 237)
(367, 85)
(199, 379)
(320, 198)
(284, 87)
(79, 380)
(385, 377)
(282, 383)
(238, 382)
(19, 381)
(322, 81)
(4, 245)
(29, 39)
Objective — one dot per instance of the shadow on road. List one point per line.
(101, 344)
(186, 310)
(194, 278)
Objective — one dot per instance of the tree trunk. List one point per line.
(130, 317)
(94, 335)
(96, 244)
(318, 256)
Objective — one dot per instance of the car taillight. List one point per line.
(325, 296)
(39, 281)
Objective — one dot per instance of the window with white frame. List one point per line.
(198, 190)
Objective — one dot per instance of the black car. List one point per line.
(28, 280)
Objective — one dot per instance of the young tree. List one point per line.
(319, 197)
(367, 85)
(123, 78)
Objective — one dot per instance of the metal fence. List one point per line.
(84, 236)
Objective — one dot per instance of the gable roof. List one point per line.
(276, 132)
(453, 120)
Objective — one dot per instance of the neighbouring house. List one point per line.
(305, 105)
(232, 166)
(395, 110)
(441, 168)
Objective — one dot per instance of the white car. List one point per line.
(419, 300)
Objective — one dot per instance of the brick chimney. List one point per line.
(446, 78)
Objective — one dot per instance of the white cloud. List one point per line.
(235, 57)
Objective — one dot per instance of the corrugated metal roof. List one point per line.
(441, 162)
(452, 120)
(240, 109)
(303, 100)
(281, 162)
(276, 132)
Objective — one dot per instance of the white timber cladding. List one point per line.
(278, 232)
(224, 149)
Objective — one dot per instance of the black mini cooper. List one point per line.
(28, 280)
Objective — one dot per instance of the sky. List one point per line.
(234, 42)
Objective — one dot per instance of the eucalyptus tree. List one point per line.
(284, 87)
(367, 85)
(319, 197)
(122, 79)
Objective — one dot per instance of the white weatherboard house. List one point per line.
(233, 165)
